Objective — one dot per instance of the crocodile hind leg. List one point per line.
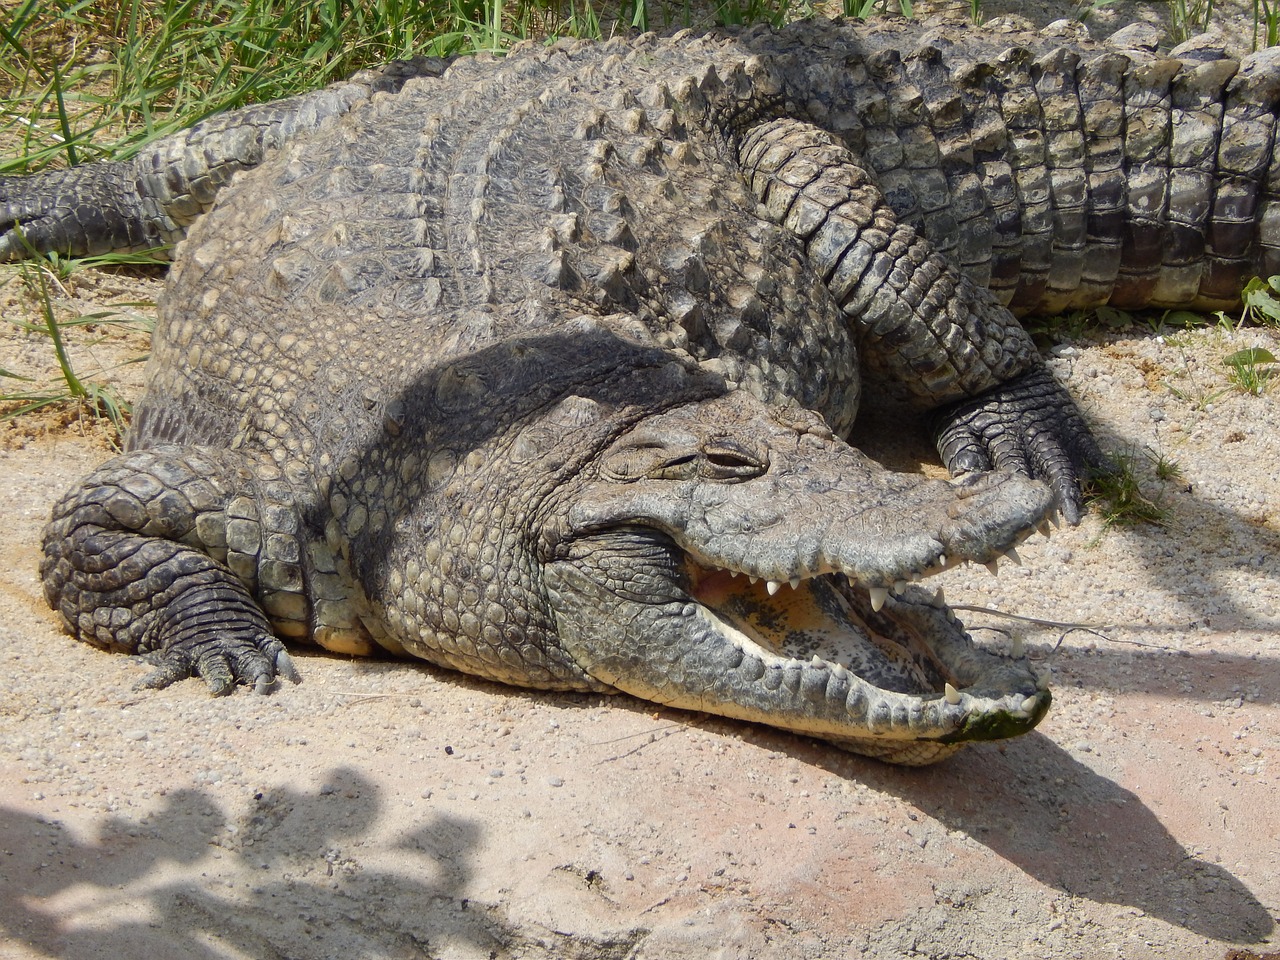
(150, 555)
(925, 330)
(148, 201)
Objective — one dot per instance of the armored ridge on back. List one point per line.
(539, 368)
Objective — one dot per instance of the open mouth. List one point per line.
(916, 682)
(886, 671)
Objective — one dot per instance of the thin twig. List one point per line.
(972, 608)
(1096, 630)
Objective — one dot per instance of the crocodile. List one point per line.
(543, 368)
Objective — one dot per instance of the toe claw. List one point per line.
(218, 675)
(170, 667)
(285, 666)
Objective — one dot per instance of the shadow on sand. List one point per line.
(184, 881)
(1070, 828)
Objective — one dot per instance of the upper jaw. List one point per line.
(916, 529)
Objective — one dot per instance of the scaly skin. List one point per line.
(147, 203)
(539, 368)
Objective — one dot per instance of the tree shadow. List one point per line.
(284, 880)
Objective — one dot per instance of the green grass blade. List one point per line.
(74, 386)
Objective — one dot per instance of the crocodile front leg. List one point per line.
(143, 555)
(1029, 425)
(925, 330)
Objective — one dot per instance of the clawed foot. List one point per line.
(223, 664)
(1029, 425)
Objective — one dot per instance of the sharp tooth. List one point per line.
(1012, 555)
(817, 661)
(795, 582)
(773, 587)
(993, 566)
(1044, 529)
(952, 694)
(938, 599)
(1017, 648)
(733, 574)
(1043, 676)
(878, 596)
(942, 560)
(1029, 705)
(838, 670)
(754, 580)
(899, 586)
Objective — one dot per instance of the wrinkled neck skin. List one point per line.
(448, 541)
(730, 558)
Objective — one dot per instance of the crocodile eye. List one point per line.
(651, 461)
(728, 460)
(720, 459)
(683, 467)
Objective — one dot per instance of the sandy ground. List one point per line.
(384, 809)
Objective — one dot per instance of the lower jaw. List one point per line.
(940, 695)
(678, 652)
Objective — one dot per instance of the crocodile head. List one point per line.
(726, 557)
